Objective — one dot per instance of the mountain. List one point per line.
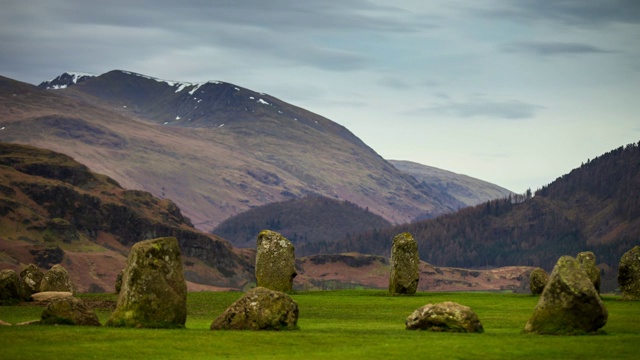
(312, 219)
(214, 148)
(470, 191)
(65, 80)
(595, 207)
(55, 210)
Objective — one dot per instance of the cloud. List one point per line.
(510, 109)
(570, 12)
(551, 48)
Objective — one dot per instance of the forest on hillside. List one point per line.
(307, 220)
(595, 208)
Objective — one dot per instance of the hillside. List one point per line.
(466, 189)
(595, 208)
(54, 210)
(214, 148)
(312, 219)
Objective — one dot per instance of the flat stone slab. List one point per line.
(48, 296)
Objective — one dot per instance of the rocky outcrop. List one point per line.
(31, 277)
(587, 261)
(56, 279)
(154, 292)
(69, 311)
(444, 317)
(629, 274)
(259, 309)
(538, 280)
(10, 286)
(569, 303)
(405, 263)
(275, 262)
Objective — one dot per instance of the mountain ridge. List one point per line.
(266, 153)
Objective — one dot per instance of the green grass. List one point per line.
(358, 324)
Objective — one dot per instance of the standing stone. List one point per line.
(259, 309)
(538, 280)
(587, 260)
(10, 286)
(629, 274)
(405, 262)
(69, 311)
(275, 262)
(119, 281)
(569, 303)
(154, 292)
(447, 317)
(56, 279)
(31, 278)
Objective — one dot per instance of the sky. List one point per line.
(514, 92)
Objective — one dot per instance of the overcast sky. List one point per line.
(515, 92)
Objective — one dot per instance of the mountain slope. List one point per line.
(594, 208)
(214, 148)
(54, 210)
(312, 219)
(468, 190)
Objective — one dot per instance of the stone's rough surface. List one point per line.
(447, 316)
(275, 262)
(154, 292)
(537, 280)
(405, 262)
(587, 261)
(10, 286)
(259, 309)
(569, 303)
(629, 274)
(69, 311)
(56, 279)
(119, 281)
(48, 296)
(31, 277)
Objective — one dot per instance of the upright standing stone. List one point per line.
(538, 280)
(569, 303)
(629, 274)
(275, 262)
(154, 292)
(10, 286)
(405, 262)
(56, 279)
(31, 277)
(587, 260)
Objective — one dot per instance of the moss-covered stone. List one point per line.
(56, 279)
(629, 274)
(405, 265)
(69, 311)
(538, 280)
(275, 262)
(587, 260)
(444, 317)
(259, 309)
(569, 303)
(31, 278)
(118, 285)
(10, 286)
(154, 292)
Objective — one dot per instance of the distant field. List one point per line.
(358, 324)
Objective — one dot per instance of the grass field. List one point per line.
(358, 324)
